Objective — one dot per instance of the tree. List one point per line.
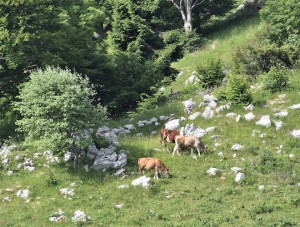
(55, 104)
(186, 8)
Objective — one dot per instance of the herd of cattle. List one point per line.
(181, 141)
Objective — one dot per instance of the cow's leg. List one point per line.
(192, 151)
(175, 148)
(198, 151)
(156, 173)
(141, 170)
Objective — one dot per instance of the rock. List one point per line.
(278, 124)
(211, 129)
(237, 147)
(123, 186)
(264, 121)
(80, 216)
(129, 127)
(209, 98)
(173, 124)
(236, 169)
(194, 116)
(283, 113)
(213, 171)
(249, 116)
(23, 193)
(192, 80)
(237, 119)
(249, 107)
(239, 177)
(208, 113)
(189, 105)
(212, 104)
(295, 107)
(191, 129)
(143, 181)
(67, 192)
(296, 134)
(231, 114)
(223, 107)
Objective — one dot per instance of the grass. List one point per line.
(190, 197)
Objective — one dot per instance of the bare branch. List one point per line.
(198, 2)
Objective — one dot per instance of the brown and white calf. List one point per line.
(167, 135)
(153, 163)
(188, 141)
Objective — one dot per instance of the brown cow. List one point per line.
(152, 163)
(188, 141)
(167, 135)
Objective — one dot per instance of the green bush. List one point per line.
(275, 80)
(256, 58)
(237, 90)
(55, 104)
(212, 74)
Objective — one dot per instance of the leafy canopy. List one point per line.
(55, 104)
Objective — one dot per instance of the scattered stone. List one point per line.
(68, 193)
(283, 113)
(80, 216)
(143, 181)
(194, 116)
(238, 118)
(23, 193)
(261, 187)
(264, 121)
(213, 171)
(173, 124)
(189, 105)
(295, 107)
(123, 186)
(236, 169)
(237, 147)
(296, 134)
(291, 156)
(278, 124)
(249, 107)
(239, 177)
(231, 114)
(10, 173)
(208, 113)
(209, 98)
(249, 116)
(119, 206)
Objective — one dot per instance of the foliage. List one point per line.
(276, 80)
(237, 90)
(282, 18)
(257, 57)
(212, 74)
(55, 104)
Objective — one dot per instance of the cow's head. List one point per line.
(165, 133)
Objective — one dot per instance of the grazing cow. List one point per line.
(167, 135)
(188, 141)
(152, 163)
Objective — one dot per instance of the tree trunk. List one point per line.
(188, 26)
(188, 22)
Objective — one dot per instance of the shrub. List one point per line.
(275, 80)
(55, 104)
(212, 74)
(237, 90)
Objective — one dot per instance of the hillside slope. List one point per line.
(269, 160)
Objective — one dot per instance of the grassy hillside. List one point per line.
(268, 196)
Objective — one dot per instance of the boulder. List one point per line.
(173, 124)
(264, 121)
(143, 181)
